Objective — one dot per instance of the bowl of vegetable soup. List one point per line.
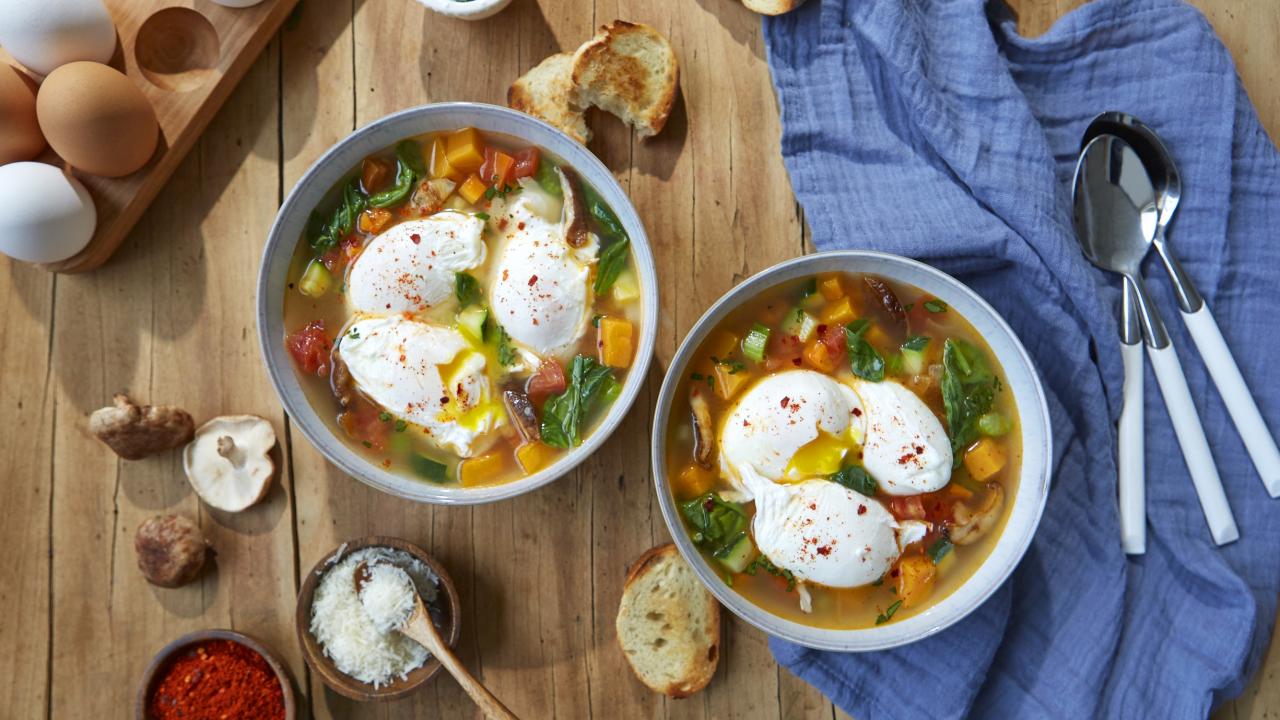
(852, 449)
(457, 303)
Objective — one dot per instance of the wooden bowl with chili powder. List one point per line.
(224, 651)
(444, 611)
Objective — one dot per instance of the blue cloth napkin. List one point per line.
(933, 130)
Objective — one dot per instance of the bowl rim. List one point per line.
(1028, 503)
(323, 666)
(319, 179)
(174, 646)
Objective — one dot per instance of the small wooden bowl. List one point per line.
(444, 612)
(162, 658)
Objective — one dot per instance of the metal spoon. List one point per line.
(1208, 339)
(1131, 460)
(1115, 219)
(420, 629)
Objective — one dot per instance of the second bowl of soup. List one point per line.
(852, 449)
(457, 303)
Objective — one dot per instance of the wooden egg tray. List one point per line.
(186, 56)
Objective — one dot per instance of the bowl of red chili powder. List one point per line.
(215, 674)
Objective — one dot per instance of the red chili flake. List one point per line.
(532, 279)
(822, 329)
(862, 509)
(444, 399)
(919, 450)
(824, 551)
(905, 458)
(893, 572)
(796, 362)
(785, 402)
(401, 358)
(416, 238)
(520, 226)
(857, 412)
(746, 424)
(504, 274)
(502, 224)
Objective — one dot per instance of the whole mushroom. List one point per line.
(135, 431)
(229, 462)
(171, 550)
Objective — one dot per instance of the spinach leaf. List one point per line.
(856, 478)
(939, 549)
(409, 153)
(714, 521)
(612, 262)
(603, 214)
(324, 235)
(405, 176)
(764, 563)
(506, 353)
(564, 415)
(968, 389)
(548, 179)
(467, 288)
(865, 362)
(885, 616)
(916, 342)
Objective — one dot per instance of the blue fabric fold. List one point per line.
(933, 130)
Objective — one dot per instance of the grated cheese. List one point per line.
(387, 596)
(346, 632)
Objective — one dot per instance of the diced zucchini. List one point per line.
(754, 344)
(737, 553)
(913, 354)
(610, 389)
(471, 321)
(436, 472)
(799, 324)
(895, 363)
(993, 424)
(316, 280)
(626, 288)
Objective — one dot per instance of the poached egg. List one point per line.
(426, 375)
(540, 287)
(905, 449)
(410, 268)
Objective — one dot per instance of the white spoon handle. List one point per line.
(1132, 490)
(1195, 448)
(1235, 393)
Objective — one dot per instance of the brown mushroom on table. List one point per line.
(229, 462)
(171, 550)
(135, 431)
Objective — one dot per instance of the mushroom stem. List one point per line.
(227, 449)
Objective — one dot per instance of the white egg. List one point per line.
(43, 35)
(45, 215)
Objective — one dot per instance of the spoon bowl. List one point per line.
(1115, 209)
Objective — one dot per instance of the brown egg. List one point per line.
(21, 138)
(97, 119)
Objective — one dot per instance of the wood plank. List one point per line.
(170, 322)
(27, 453)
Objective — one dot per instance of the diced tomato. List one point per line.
(833, 337)
(548, 381)
(364, 423)
(919, 317)
(938, 506)
(310, 348)
(527, 162)
(374, 174)
(344, 253)
(497, 168)
(784, 351)
(907, 508)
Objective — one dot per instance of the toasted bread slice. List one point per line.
(546, 92)
(772, 7)
(668, 624)
(630, 70)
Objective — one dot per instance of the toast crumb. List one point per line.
(546, 92)
(668, 624)
(630, 70)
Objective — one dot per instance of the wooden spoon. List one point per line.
(420, 629)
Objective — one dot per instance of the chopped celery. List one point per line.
(736, 554)
(993, 424)
(547, 178)
(316, 280)
(753, 345)
(471, 321)
(626, 288)
(799, 324)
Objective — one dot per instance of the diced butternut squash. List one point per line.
(986, 458)
(374, 174)
(959, 491)
(480, 470)
(465, 150)
(831, 288)
(472, 190)
(438, 161)
(373, 220)
(876, 336)
(916, 574)
(695, 480)
(819, 356)
(615, 342)
(839, 312)
(728, 383)
(533, 456)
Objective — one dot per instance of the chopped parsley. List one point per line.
(401, 425)
(482, 216)
(354, 334)
(935, 305)
(384, 416)
(467, 288)
(506, 353)
(733, 366)
(939, 549)
(764, 563)
(884, 617)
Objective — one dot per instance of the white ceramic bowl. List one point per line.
(467, 9)
(317, 182)
(1033, 484)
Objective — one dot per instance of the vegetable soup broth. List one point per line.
(722, 361)
(380, 434)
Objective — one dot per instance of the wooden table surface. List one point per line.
(170, 320)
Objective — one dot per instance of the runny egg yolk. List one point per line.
(466, 407)
(823, 455)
